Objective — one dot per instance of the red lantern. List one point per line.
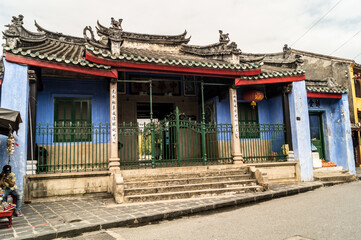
(253, 96)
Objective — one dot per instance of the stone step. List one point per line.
(182, 181)
(190, 194)
(179, 175)
(346, 177)
(329, 169)
(188, 187)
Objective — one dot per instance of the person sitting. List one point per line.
(7, 183)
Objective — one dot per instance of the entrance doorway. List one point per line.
(317, 137)
(164, 135)
(160, 110)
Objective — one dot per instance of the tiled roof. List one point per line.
(274, 74)
(220, 48)
(283, 64)
(57, 47)
(168, 58)
(327, 90)
(56, 51)
(150, 38)
(327, 85)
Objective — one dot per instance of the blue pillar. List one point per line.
(301, 129)
(15, 96)
(345, 114)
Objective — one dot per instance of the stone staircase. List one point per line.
(333, 174)
(197, 182)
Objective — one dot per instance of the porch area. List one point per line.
(175, 141)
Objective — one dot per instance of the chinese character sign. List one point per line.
(113, 117)
(234, 107)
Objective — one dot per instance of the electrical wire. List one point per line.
(343, 44)
(319, 20)
(354, 58)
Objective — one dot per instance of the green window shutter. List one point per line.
(72, 119)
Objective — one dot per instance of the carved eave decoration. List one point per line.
(109, 38)
(157, 39)
(147, 38)
(223, 47)
(16, 33)
(251, 59)
(103, 42)
(59, 36)
(280, 60)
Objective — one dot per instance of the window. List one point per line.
(72, 117)
(359, 115)
(248, 121)
(358, 88)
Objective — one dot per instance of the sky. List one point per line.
(330, 27)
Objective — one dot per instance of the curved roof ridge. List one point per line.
(17, 30)
(57, 35)
(322, 55)
(204, 46)
(177, 36)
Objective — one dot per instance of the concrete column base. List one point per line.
(114, 164)
(261, 180)
(237, 159)
(31, 166)
(118, 188)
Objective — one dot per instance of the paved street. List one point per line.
(48, 220)
(312, 215)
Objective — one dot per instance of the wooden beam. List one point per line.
(324, 95)
(79, 69)
(122, 69)
(174, 69)
(243, 82)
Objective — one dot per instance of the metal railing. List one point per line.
(174, 142)
(71, 147)
(262, 142)
(168, 143)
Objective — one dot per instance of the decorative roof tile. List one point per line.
(47, 54)
(171, 50)
(327, 85)
(274, 74)
(327, 90)
(166, 58)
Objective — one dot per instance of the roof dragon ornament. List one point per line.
(223, 37)
(109, 38)
(101, 43)
(13, 32)
(16, 33)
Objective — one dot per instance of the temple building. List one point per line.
(112, 103)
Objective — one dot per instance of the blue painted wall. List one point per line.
(223, 114)
(269, 112)
(15, 96)
(337, 131)
(301, 129)
(97, 90)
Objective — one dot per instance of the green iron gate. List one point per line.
(72, 147)
(174, 141)
(262, 142)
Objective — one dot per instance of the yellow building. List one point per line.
(355, 70)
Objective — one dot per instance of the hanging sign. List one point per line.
(113, 120)
(235, 113)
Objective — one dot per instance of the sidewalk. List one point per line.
(54, 219)
(358, 173)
